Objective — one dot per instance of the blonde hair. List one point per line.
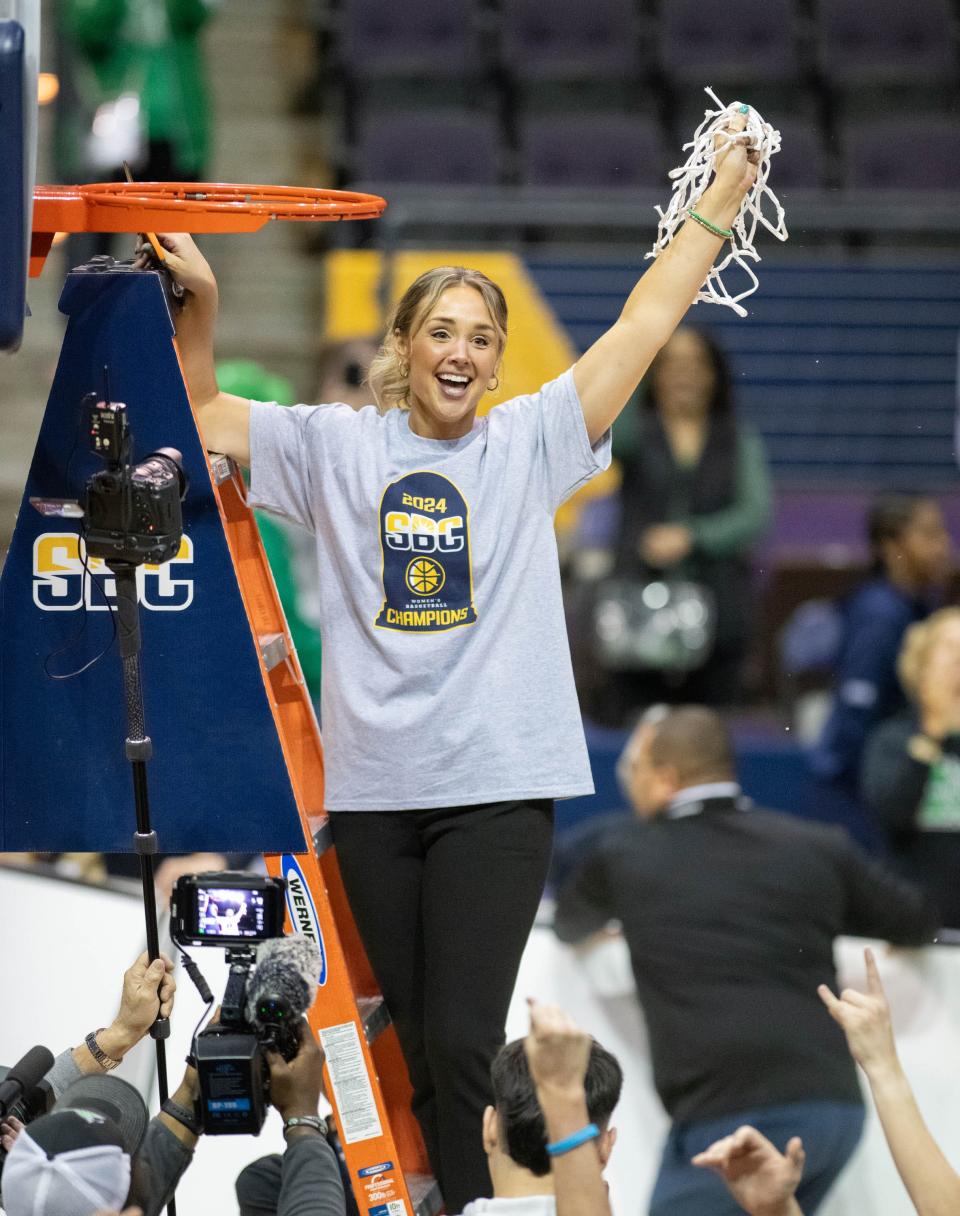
(389, 375)
(917, 644)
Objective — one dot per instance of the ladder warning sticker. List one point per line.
(396, 1208)
(352, 1090)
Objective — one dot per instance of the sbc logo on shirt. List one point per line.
(425, 543)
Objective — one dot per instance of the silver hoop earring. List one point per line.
(492, 388)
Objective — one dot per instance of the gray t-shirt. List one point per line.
(446, 670)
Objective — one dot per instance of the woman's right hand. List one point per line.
(185, 262)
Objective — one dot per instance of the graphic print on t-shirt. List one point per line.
(425, 542)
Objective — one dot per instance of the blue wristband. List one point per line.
(590, 1132)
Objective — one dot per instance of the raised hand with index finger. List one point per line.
(864, 1018)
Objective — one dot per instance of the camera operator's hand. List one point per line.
(295, 1088)
(10, 1128)
(148, 990)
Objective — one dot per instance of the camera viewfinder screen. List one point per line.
(230, 912)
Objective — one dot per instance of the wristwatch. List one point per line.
(318, 1123)
(106, 1062)
(189, 1118)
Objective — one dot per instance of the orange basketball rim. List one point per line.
(183, 207)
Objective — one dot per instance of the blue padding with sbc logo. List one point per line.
(218, 781)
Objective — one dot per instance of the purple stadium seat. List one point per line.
(919, 152)
(562, 40)
(431, 146)
(432, 38)
(739, 40)
(601, 149)
(800, 163)
(887, 40)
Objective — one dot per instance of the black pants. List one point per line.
(444, 900)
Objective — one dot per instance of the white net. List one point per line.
(691, 180)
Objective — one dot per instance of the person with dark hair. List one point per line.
(730, 913)
(521, 1131)
(695, 498)
(556, 1070)
(910, 549)
(443, 630)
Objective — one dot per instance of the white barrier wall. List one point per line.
(66, 945)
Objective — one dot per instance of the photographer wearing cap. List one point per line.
(78, 1157)
(114, 1152)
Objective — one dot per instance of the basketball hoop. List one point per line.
(184, 207)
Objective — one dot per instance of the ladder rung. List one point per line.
(323, 839)
(424, 1194)
(222, 467)
(273, 648)
(374, 1015)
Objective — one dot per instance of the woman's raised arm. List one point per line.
(223, 418)
(607, 374)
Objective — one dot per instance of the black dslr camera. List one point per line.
(132, 511)
(262, 1008)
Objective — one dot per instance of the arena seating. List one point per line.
(848, 371)
(620, 152)
(817, 65)
(888, 44)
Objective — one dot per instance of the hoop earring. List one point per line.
(492, 388)
(404, 369)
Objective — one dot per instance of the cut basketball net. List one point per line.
(691, 180)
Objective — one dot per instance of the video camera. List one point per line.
(272, 983)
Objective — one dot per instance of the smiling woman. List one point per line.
(444, 345)
(450, 717)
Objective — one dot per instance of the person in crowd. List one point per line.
(730, 913)
(695, 498)
(758, 1176)
(147, 993)
(440, 600)
(932, 1183)
(911, 767)
(78, 1156)
(342, 369)
(133, 89)
(534, 1080)
(910, 547)
(305, 1181)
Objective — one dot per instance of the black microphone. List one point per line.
(24, 1076)
(282, 988)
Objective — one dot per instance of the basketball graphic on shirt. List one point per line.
(425, 576)
(425, 547)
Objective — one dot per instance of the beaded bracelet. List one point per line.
(727, 233)
(590, 1132)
